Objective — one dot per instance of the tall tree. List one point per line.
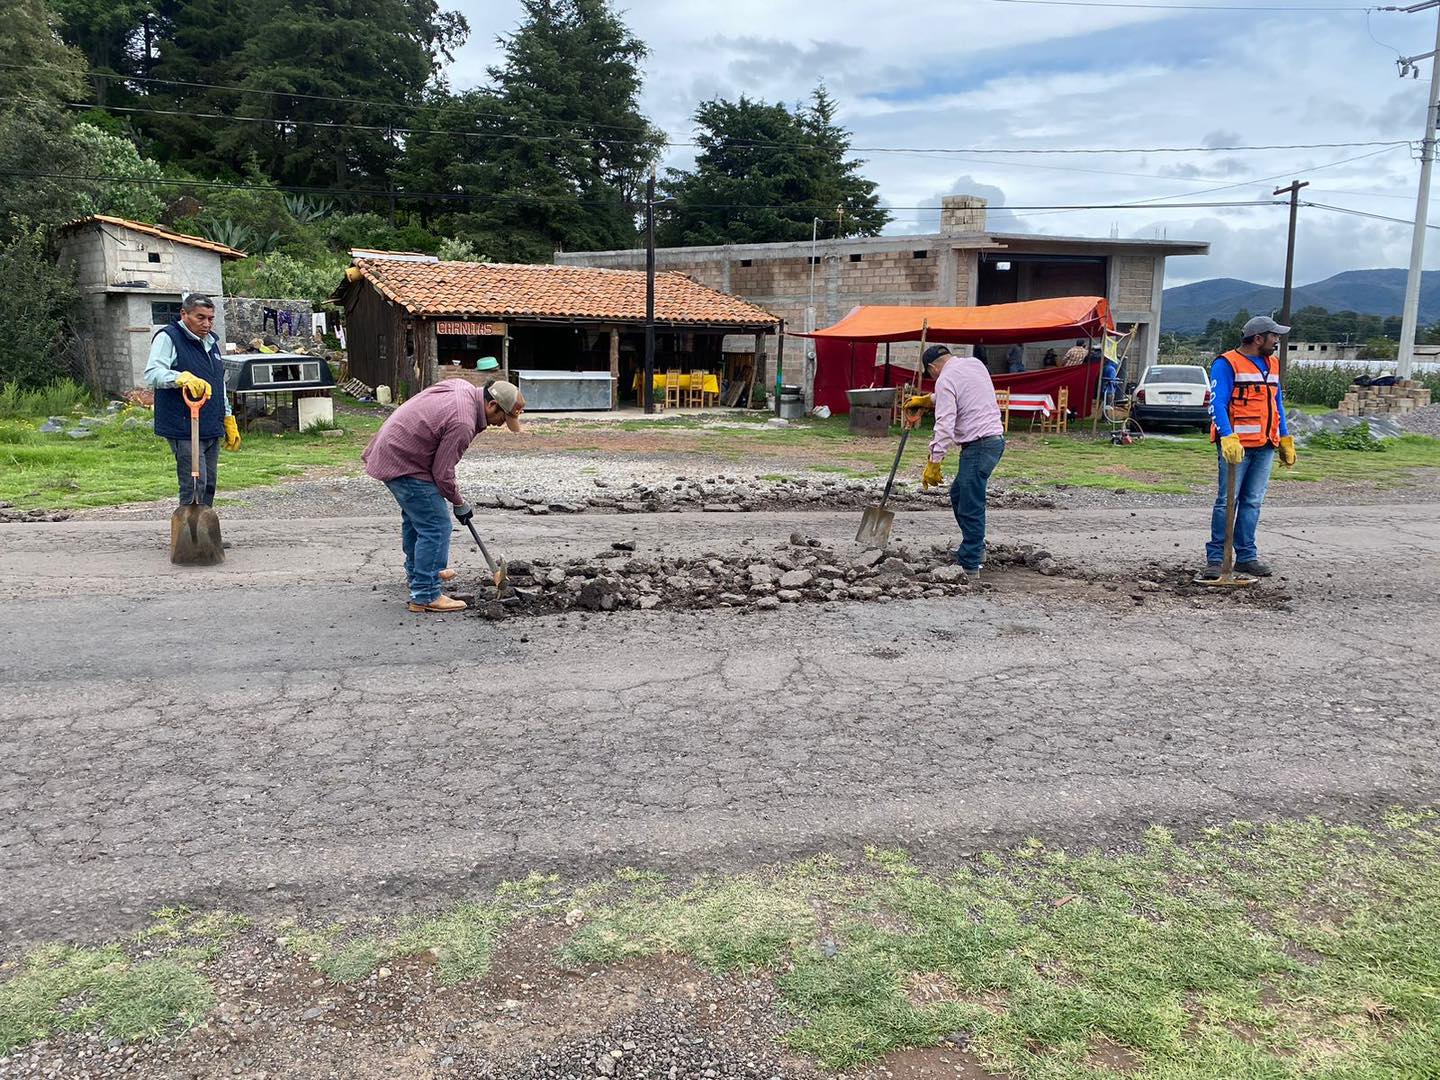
(113, 35)
(764, 173)
(39, 74)
(561, 147)
(345, 72)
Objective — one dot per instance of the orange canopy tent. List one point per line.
(995, 324)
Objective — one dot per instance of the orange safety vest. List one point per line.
(1254, 414)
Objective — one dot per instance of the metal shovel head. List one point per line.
(875, 527)
(195, 536)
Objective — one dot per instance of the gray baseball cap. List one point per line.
(1263, 324)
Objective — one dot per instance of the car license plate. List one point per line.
(1175, 397)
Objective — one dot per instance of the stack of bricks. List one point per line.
(1405, 396)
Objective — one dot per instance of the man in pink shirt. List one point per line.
(415, 453)
(967, 416)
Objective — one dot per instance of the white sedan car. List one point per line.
(1173, 394)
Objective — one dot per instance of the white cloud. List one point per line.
(977, 76)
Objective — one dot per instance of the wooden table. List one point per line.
(712, 383)
(1043, 404)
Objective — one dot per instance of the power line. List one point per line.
(384, 193)
(400, 129)
(1365, 214)
(1180, 7)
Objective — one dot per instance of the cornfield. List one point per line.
(1310, 385)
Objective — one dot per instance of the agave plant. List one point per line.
(228, 233)
(307, 211)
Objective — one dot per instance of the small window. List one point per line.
(747, 262)
(164, 312)
(856, 257)
(154, 256)
(814, 260)
(272, 374)
(920, 254)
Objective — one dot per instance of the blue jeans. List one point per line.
(209, 459)
(967, 497)
(1252, 477)
(424, 534)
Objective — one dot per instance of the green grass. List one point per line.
(1286, 950)
(119, 465)
(461, 939)
(122, 989)
(1282, 951)
(58, 399)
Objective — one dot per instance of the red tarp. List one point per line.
(994, 324)
(1082, 379)
(851, 365)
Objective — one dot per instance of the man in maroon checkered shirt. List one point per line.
(415, 453)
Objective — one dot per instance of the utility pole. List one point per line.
(1294, 191)
(1411, 311)
(649, 382)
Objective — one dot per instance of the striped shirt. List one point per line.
(426, 437)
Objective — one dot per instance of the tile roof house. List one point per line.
(132, 276)
(412, 320)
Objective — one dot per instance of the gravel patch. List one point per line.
(1423, 421)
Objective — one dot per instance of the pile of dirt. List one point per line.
(801, 571)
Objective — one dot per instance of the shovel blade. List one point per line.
(875, 527)
(195, 536)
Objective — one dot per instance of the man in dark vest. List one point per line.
(186, 355)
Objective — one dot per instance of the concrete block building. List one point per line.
(964, 264)
(131, 277)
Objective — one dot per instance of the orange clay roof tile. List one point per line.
(516, 290)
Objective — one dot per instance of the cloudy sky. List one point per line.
(980, 75)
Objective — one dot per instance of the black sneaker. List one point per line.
(1211, 572)
(1254, 568)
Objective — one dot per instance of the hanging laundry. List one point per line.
(269, 317)
(285, 324)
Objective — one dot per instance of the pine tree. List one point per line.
(764, 173)
(334, 56)
(562, 147)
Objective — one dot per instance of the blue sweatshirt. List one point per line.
(1222, 387)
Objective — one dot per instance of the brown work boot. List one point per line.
(439, 604)
(447, 575)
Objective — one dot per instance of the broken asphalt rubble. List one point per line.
(801, 571)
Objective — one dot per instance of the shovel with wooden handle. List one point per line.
(876, 522)
(1228, 578)
(195, 529)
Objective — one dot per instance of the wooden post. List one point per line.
(505, 355)
(614, 367)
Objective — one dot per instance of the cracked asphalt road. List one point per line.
(278, 734)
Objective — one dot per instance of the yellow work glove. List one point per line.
(1231, 450)
(931, 476)
(1287, 450)
(232, 434)
(920, 401)
(198, 387)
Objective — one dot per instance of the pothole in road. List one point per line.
(806, 571)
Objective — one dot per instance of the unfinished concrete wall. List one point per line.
(287, 321)
(130, 284)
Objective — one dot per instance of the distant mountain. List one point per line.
(1187, 308)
